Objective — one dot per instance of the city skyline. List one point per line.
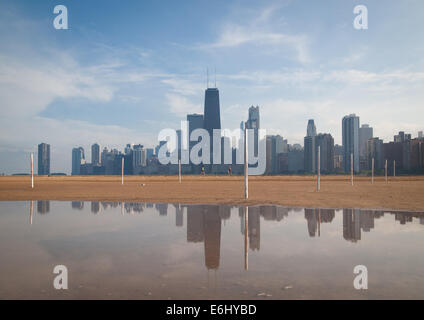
(93, 83)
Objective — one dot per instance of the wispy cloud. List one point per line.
(261, 32)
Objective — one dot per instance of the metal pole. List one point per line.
(246, 238)
(319, 169)
(351, 169)
(394, 168)
(179, 171)
(32, 171)
(31, 211)
(385, 170)
(246, 167)
(372, 171)
(122, 172)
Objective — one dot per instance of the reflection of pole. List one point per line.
(246, 167)
(30, 211)
(385, 169)
(319, 168)
(122, 208)
(394, 168)
(32, 171)
(351, 169)
(319, 222)
(246, 238)
(122, 172)
(179, 171)
(372, 171)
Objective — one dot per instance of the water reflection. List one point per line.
(204, 222)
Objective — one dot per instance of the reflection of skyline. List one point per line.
(204, 222)
(43, 206)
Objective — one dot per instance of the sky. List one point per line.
(125, 70)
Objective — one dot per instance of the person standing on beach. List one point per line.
(203, 170)
(229, 170)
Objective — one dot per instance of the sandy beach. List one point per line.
(400, 193)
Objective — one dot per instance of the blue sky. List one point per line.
(125, 70)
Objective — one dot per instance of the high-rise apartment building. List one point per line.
(326, 143)
(350, 138)
(365, 133)
(43, 159)
(310, 147)
(253, 122)
(375, 151)
(78, 158)
(95, 154)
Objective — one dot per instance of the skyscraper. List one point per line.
(43, 159)
(212, 115)
(311, 130)
(78, 158)
(195, 121)
(253, 122)
(350, 137)
(309, 147)
(95, 154)
(365, 133)
(375, 150)
(326, 143)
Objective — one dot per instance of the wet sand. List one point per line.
(400, 193)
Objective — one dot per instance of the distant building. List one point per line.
(375, 151)
(350, 137)
(43, 159)
(95, 154)
(139, 158)
(150, 152)
(310, 147)
(253, 122)
(326, 143)
(78, 158)
(365, 133)
(311, 129)
(420, 135)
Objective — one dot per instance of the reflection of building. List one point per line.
(254, 228)
(179, 218)
(162, 208)
(194, 224)
(352, 224)
(212, 234)
(204, 224)
(95, 207)
(317, 216)
(77, 205)
(43, 206)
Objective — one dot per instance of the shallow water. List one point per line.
(118, 250)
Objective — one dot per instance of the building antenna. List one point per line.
(207, 78)
(215, 76)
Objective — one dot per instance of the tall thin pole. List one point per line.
(32, 171)
(319, 169)
(31, 211)
(372, 171)
(351, 169)
(385, 170)
(394, 168)
(246, 167)
(179, 171)
(122, 172)
(246, 238)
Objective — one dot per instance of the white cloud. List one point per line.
(181, 106)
